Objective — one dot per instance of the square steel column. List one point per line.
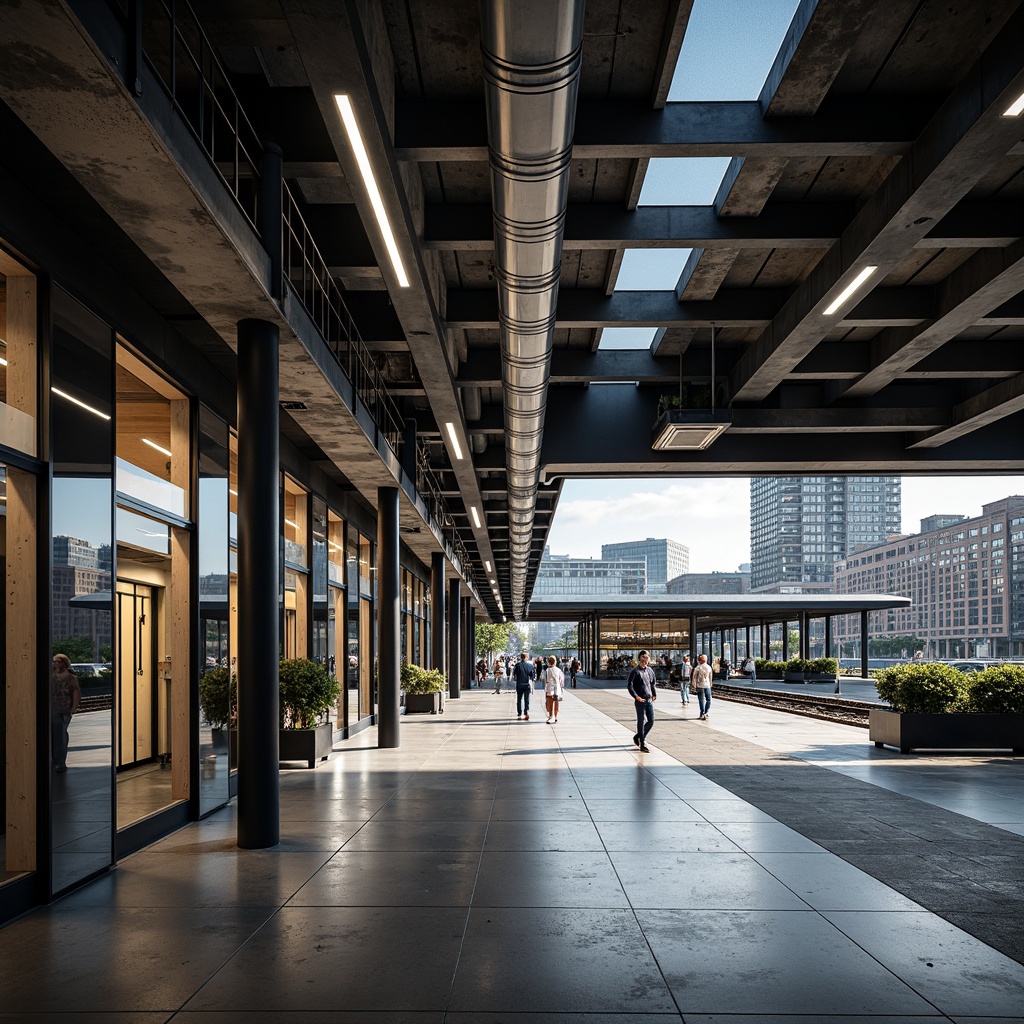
(437, 613)
(455, 638)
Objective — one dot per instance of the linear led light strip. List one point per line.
(80, 404)
(849, 290)
(355, 140)
(1016, 108)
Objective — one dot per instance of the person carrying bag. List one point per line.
(554, 680)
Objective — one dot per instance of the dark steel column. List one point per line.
(693, 639)
(389, 611)
(828, 636)
(864, 644)
(437, 616)
(270, 212)
(259, 809)
(805, 635)
(785, 641)
(455, 638)
(470, 641)
(468, 661)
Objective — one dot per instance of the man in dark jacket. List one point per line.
(524, 675)
(644, 690)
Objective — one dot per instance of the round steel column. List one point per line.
(437, 601)
(259, 540)
(388, 617)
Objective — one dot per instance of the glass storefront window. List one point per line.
(18, 356)
(81, 623)
(215, 746)
(295, 523)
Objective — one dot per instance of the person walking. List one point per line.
(499, 674)
(574, 667)
(524, 675)
(686, 670)
(749, 669)
(702, 676)
(554, 680)
(643, 688)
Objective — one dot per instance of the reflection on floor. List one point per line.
(490, 867)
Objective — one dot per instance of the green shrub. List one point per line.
(927, 688)
(308, 692)
(795, 665)
(823, 666)
(421, 680)
(216, 697)
(766, 667)
(996, 690)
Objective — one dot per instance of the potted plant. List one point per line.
(307, 693)
(793, 670)
(424, 689)
(935, 706)
(767, 669)
(218, 692)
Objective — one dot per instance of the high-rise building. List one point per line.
(710, 583)
(800, 526)
(666, 559)
(965, 580)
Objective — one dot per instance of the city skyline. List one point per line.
(711, 516)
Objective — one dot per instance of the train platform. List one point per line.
(757, 867)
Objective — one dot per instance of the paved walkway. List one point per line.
(495, 870)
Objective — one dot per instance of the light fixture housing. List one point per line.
(680, 430)
(355, 140)
(487, 565)
(476, 516)
(450, 427)
(848, 291)
(79, 403)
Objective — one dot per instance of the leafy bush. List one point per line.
(217, 697)
(766, 667)
(927, 688)
(998, 689)
(308, 692)
(421, 680)
(795, 665)
(823, 666)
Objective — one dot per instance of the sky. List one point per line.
(712, 516)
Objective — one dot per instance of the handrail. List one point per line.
(181, 56)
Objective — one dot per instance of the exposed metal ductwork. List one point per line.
(531, 54)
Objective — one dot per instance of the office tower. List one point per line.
(801, 525)
(666, 559)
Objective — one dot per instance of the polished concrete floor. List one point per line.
(500, 870)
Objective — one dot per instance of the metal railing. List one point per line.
(180, 55)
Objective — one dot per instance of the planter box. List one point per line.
(793, 677)
(956, 731)
(225, 739)
(424, 703)
(309, 745)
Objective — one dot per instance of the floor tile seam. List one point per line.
(875, 870)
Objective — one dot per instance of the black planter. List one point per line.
(309, 745)
(909, 731)
(424, 703)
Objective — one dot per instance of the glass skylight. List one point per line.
(650, 270)
(627, 337)
(683, 181)
(729, 48)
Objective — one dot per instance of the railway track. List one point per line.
(830, 709)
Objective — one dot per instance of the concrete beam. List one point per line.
(456, 130)
(958, 147)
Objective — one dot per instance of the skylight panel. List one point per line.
(729, 48)
(683, 181)
(627, 337)
(651, 270)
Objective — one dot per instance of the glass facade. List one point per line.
(801, 526)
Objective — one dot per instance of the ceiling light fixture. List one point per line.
(1016, 108)
(294, 526)
(476, 516)
(80, 404)
(159, 447)
(450, 427)
(850, 289)
(355, 139)
(487, 565)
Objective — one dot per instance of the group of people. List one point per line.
(643, 688)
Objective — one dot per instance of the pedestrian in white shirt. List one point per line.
(554, 680)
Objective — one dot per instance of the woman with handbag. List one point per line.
(554, 680)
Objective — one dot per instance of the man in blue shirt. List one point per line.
(524, 676)
(644, 690)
